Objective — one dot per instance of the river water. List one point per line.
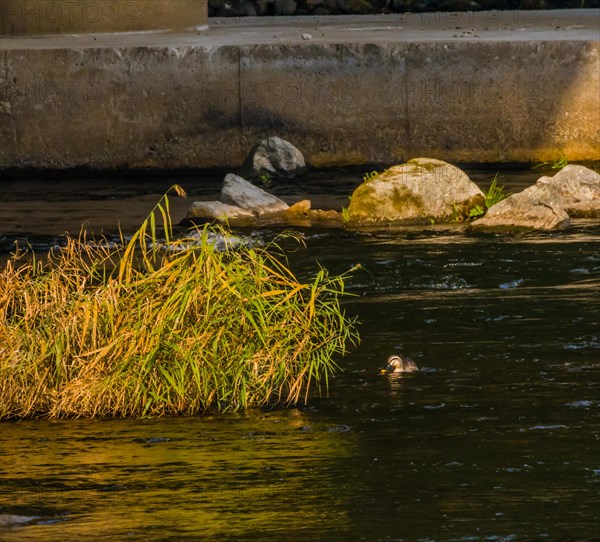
(497, 438)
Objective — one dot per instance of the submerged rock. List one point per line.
(10, 520)
(276, 158)
(576, 188)
(326, 217)
(300, 210)
(240, 193)
(547, 205)
(217, 210)
(421, 190)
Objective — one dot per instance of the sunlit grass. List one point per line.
(559, 163)
(155, 328)
(493, 195)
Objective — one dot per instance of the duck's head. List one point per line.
(400, 364)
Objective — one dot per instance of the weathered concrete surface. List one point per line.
(478, 87)
(41, 17)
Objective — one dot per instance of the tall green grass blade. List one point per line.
(151, 328)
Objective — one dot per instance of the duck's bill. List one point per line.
(385, 370)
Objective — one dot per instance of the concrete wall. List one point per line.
(203, 101)
(42, 17)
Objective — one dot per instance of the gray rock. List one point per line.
(264, 6)
(573, 187)
(573, 191)
(10, 520)
(275, 157)
(239, 192)
(216, 210)
(584, 209)
(522, 211)
(236, 8)
(285, 7)
(420, 190)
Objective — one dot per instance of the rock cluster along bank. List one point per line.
(244, 203)
(420, 191)
(549, 204)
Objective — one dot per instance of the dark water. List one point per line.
(496, 439)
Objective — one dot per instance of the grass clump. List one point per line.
(494, 194)
(158, 328)
(558, 163)
(266, 180)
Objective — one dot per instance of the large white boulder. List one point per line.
(419, 191)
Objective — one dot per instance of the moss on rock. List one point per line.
(418, 191)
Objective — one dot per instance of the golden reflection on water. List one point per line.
(242, 474)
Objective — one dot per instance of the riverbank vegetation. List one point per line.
(152, 328)
(494, 194)
(559, 163)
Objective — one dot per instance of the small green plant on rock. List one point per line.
(476, 212)
(457, 216)
(265, 180)
(494, 194)
(346, 212)
(345, 215)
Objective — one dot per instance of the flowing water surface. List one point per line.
(497, 438)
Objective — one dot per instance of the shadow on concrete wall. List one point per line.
(168, 104)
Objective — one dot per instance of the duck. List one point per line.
(399, 364)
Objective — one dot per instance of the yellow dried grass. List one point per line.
(153, 328)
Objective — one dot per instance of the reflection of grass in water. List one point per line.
(152, 329)
(236, 474)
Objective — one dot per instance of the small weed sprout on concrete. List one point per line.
(156, 327)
